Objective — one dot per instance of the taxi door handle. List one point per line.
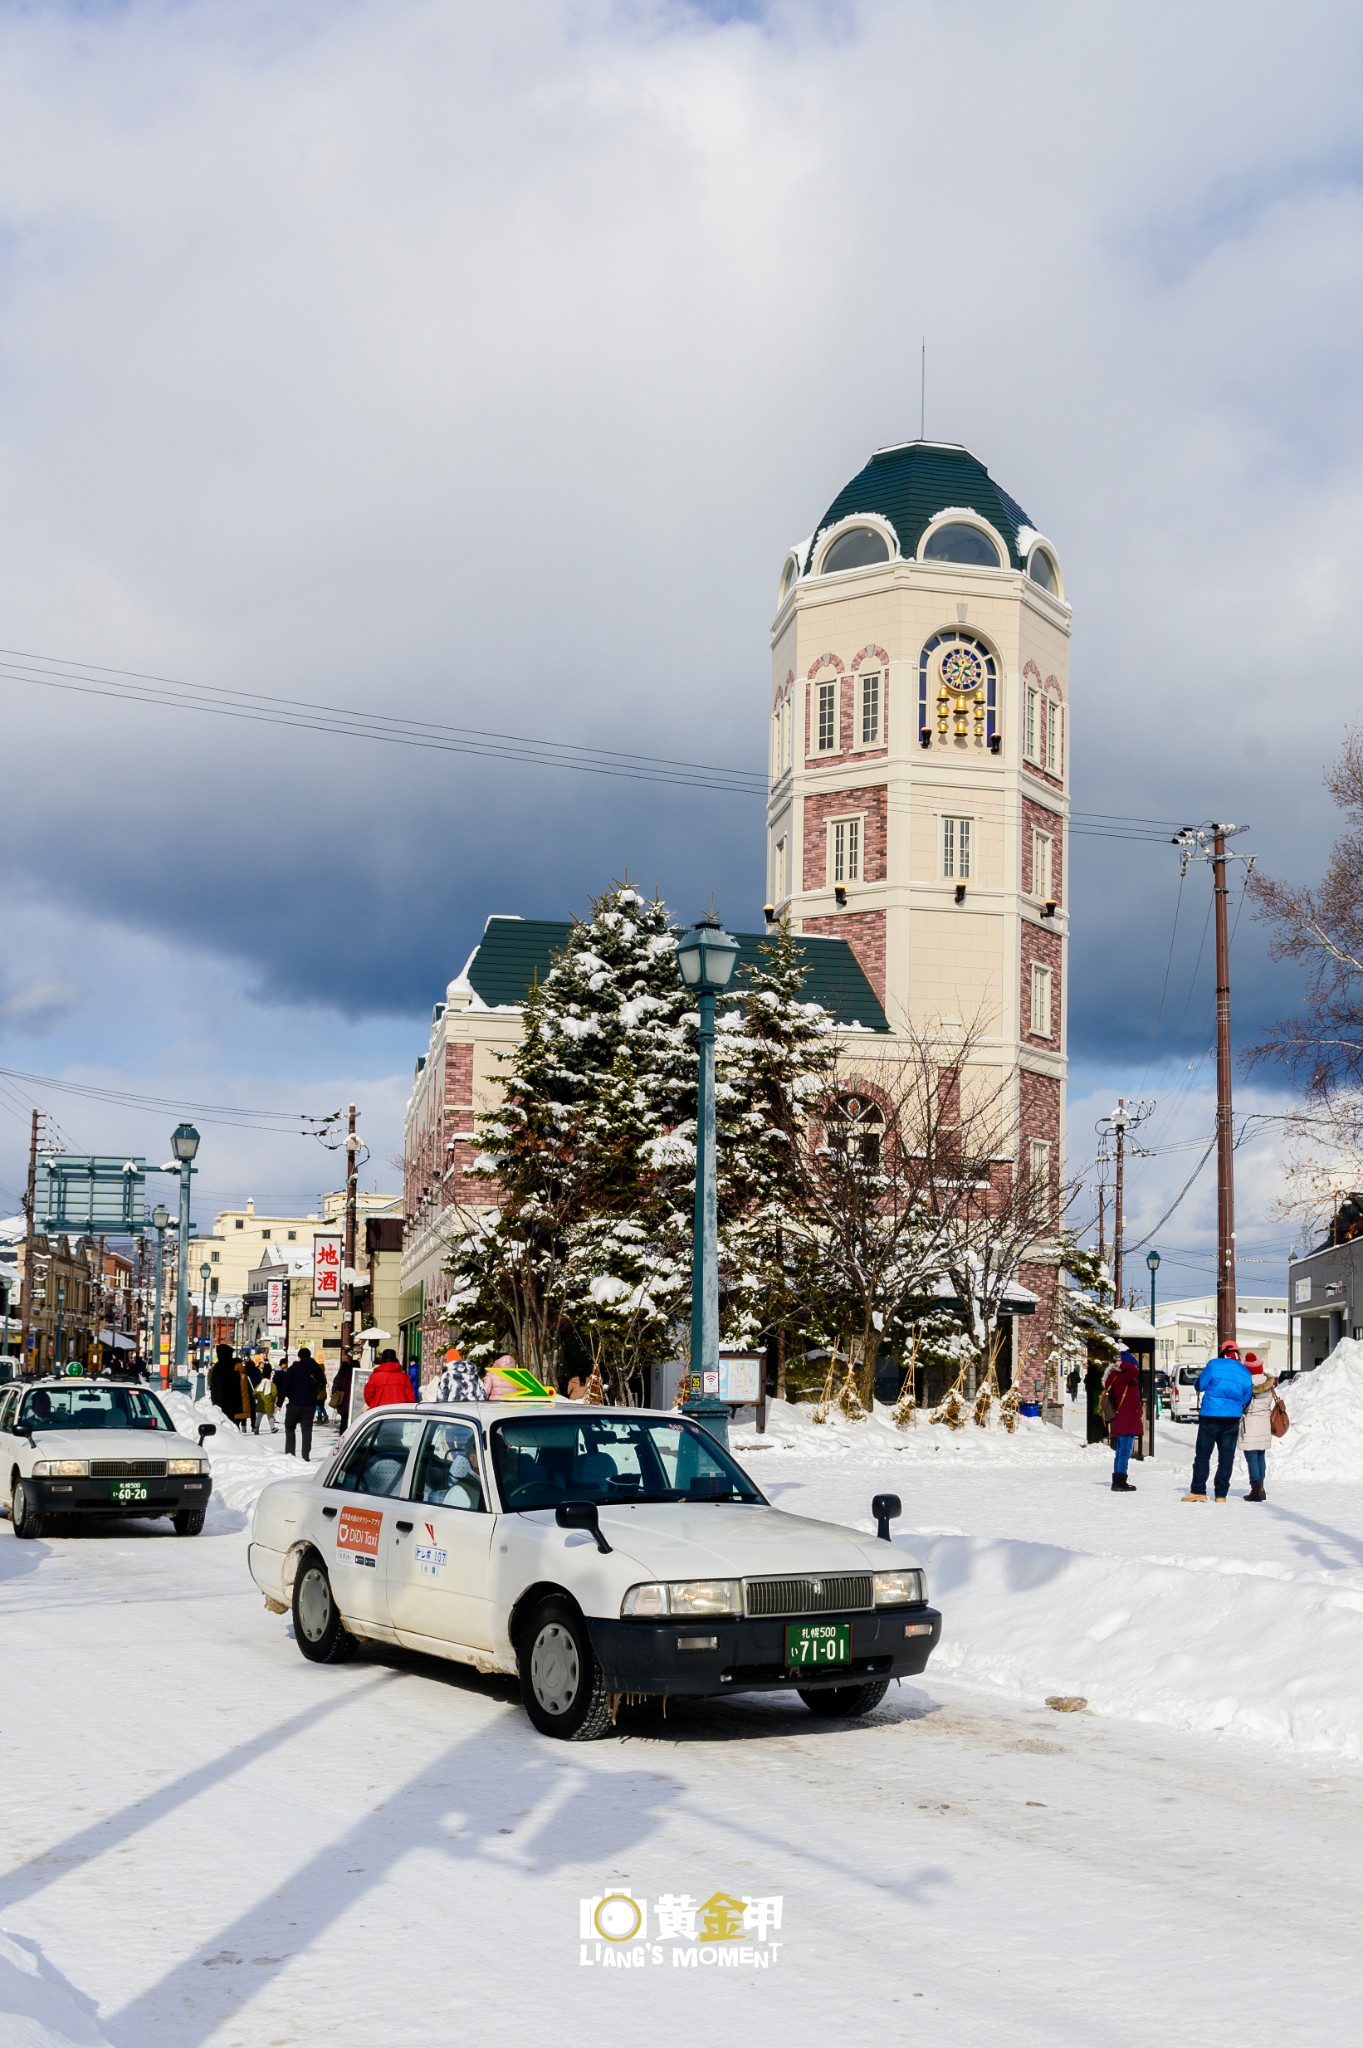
(404, 1527)
(328, 1511)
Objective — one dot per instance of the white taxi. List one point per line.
(76, 1446)
(600, 1554)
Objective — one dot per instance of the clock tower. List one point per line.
(918, 801)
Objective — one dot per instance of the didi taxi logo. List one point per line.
(620, 1930)
(358, 1533)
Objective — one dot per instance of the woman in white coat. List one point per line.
(1256, 1426)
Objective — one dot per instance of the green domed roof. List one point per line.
(910, 485)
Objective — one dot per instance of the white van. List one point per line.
(1186, 1400)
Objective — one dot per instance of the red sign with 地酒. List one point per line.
(326, 1268)
(359, 1530)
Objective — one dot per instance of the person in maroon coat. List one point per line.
(1123, 1386)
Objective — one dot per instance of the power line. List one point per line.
(209, 1112)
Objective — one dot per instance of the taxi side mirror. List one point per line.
(581, 1514)
(207, 1429)
(886, 1507)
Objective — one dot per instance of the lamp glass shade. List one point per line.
(204, 1272)
(184, 1142)
(707, 955)
(1152, 1260)
(160, 1216)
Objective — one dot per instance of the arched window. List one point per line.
(858, 548)
(789, 575)
(856, 1131)
(957, 542)
(1041, 568)
(957, 690)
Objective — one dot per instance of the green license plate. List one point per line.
(129, 1489)
(811, 1645)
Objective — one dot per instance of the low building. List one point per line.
(240, 1236)
(1187, 1330)
(377, 1282)
(1325, 1287)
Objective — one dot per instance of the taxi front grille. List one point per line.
(128, 1468)
(811, 1593)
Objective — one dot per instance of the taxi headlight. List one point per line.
(683, 1597)
(185, 1465)
(60, 1468)
(900, 1589)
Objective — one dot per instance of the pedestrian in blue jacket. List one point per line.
(1226, 1390)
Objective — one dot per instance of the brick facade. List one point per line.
(864, 931)
(869, 805)
(1038, 818)
(1042, 944)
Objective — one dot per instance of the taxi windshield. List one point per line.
(612, 1459)
(92, 1408)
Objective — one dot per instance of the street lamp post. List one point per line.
(61, 1311)
(184, 1143)
(160, 1217)
(205, 1274)
(1152, 1267)
(706, 958)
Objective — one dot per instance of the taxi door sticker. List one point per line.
(358, 1533)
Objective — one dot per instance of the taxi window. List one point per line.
(8, 1404)
(448, 1471)
(377, 1460)
(86, 1407)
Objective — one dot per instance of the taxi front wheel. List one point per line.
(561, 1682)
(317, 1626)
(24, 1514)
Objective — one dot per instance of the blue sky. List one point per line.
(480, 365)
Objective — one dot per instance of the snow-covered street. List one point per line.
(209, 1841)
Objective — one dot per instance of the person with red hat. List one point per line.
(1122, 1393)
(1256, 1425)
(1225, 1389)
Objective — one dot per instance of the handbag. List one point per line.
(1107, 1406)
(1279, 1421)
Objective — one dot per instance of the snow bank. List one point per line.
(38, 2008)
(242, 1464)
(791, 1426)
(1326, 1407)
(1214, 1644)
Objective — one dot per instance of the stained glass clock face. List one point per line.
(962, 670)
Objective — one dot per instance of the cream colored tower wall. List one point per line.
(969, 961)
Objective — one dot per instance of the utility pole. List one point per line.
(1208, 842)
(1118, 1196)
(352, 1181)
(30, 1203)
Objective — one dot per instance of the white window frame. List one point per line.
(780, 869)
(846, 849)
(1053, 739)
(956, 843)
(876, 739)
(834, 746)
(1043, 864)
(1042, 1001)
(787, 731)
(1039, 1163)
(1030, 727)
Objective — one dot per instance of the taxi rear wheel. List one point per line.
(561, 1682)
(317, 1626)
(24, 1513)
(846, 1702)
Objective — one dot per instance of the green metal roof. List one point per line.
(514, 951)
(910, 485)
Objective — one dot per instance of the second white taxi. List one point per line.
(600, 1554)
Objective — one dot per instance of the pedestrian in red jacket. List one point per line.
(389, 1382)
(1122, 1388)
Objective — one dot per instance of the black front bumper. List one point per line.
(167, 1496)
(728, 1655)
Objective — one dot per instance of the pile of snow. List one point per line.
(242, 1464)
(1326, 1407)
(1264, 1651)
(38, 2008)
(792, 1428)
